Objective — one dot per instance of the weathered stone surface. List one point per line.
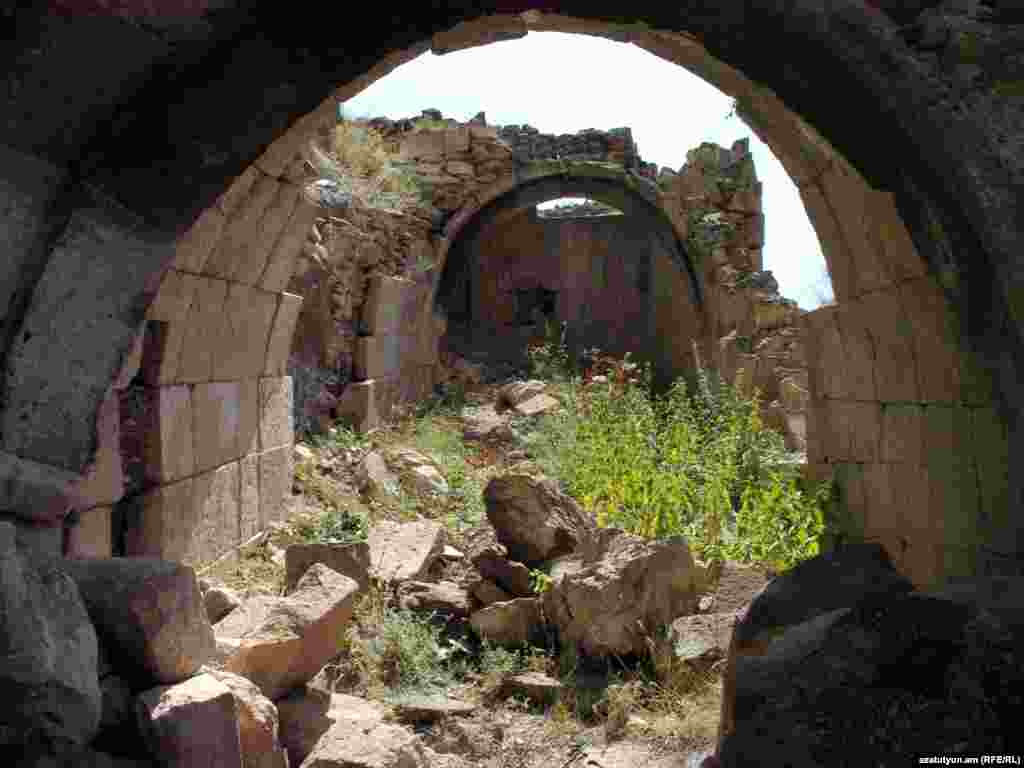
(484, 423)
(403, 551)
(346, 744)
(275, 483)
(445, 598)
(286, 640)
(510, 576)
(191, 723)
(49, 675)
(487, 592)
(533, 518)
(307, 713)
(421, 709)
(277, 426)
(92, 537)
(536, 405)
(736, 586)
(516, 392)
(624, 583)
(150, 611)
(949, 685)
(219, 602)
(702, 639)
(352, 560)
(168, 440)
(510, 623)
(257, 723)
(534, 686)
(374, 478)
(419, 471)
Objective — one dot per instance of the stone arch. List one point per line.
(110, 170)
(541, 181)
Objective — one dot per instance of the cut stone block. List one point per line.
(352, 560)
(92, 537)
(202, 331)
(288, 307)
(403, 551)
(276, 413)
(192, 723)
(217, 422)
(150, 611)
(167, 446)
(275, 484)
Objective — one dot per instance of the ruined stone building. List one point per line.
(154, 225)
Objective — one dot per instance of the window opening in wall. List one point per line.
(575, 208)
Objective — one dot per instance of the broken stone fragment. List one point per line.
(404, 551)
(219, 602)
(510, 623)
(445, 598)
(282, 642)
(149, 615)
(192, 723)
(257, 723)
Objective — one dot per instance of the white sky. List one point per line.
(562, 83)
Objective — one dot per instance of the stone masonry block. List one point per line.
(425, 144)
(164, 336)
(936, 347)
(824, 353)
(858, 352)
(378, 356)
(833, 246)
(386, 298)
(864, 422)
(363, 405)
(892, 336)
(276, 413)
(249, 498)
(215, 497)
(902, 433)
(92, 536)
(217, 421)
(103, 481)
(196, 245)
(482, 31)
(167, 436)
(162, 522)
(288, 306)
(900, 257)
(202, 331)
(848, 195)
(249, 420)
(239, 190)
(245, 330)
(992, 451)
(850, 511)
(946, 436)
(230, 257)
(275, 484)
(271, 224)
(281, 262)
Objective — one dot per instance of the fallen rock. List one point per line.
(352, 560)
(484, 423)
(50, 652)
(419, 471)
(150, 611)
(487, 592)
(451, 553)
(219, 602)
(510, 623)
(625, 587)
(821, 585)
(533, 519)
(347, 745)
(257, 723)
(421, 709)
(701, 639)
(445, 598)
(896, 673)
(516, 392)
(534, 686)
(191, 723)
(306, 715)
(493, 564)
(536, 405)
(404, 551)
(373, 477)
(284, 641)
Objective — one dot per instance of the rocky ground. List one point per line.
(456, 508)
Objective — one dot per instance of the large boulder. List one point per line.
(191, 723)
(352, 560)
(257, 723)
(831, 581)
(49, 648)
(533, 519)
(150, 612)
(282, 642)
(403, 551)
(511, 623)
(621, 591)
(892, 675)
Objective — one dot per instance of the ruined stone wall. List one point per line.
(208, 418)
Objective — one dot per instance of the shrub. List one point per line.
(694, 461)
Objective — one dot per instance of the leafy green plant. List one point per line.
(407, 652)
(540, 582)
(342, 526)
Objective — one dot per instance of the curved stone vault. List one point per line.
(153, 215)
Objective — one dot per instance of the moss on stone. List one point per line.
(1009, 89)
